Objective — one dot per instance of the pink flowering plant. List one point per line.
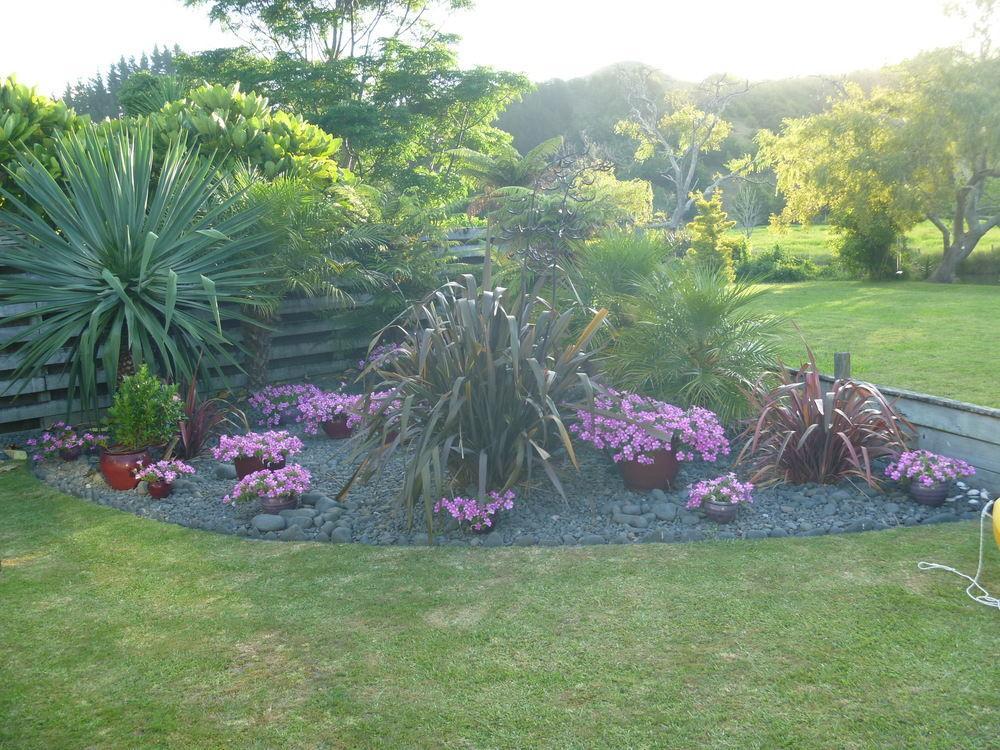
(277, 402)
(269, 446)
(63, 437)
(727, 489)
(927, 469)
(166, 472)
(479, 516)
(291, 481)
(633, 426)
(324, 406)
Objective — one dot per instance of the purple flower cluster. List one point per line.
(163, 471)
(270, 446)
(324, 406)
(478, 516)
(61, 436)
(927, 468)
(278, 402)
(380, 355)
(725, 489)
(622, 421)
(291, 481)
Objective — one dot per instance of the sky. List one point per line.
(757, 39)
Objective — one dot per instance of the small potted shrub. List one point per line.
(145, 412)
(478, 516)
(650, 437)
(336, 413)
(929, 475)
(257, 451)
(160, 477)
(721, 497)
(63, 440)
(277, 404)
(276, 490)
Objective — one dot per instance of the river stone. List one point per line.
(665, 511)
(526, 540)
(493, 540)
(324, 504)
(268, 522)
(225, 471)
(589, 539)
(292, 534)
(637, 522)
(340, 535)
(631, 509)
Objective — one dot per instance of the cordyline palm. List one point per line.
(123, 263)
(508, 169)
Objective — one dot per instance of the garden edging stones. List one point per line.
(598, 509)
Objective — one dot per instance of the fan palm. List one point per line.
(125, 264)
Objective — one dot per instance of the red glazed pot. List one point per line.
(275, 505)
(655, 476)
(159, 490)
(933, 495)
(337, 428)
(249, 464)
(118, 467)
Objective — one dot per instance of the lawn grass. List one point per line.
(934, 338)
(814, 240)
(120, 632)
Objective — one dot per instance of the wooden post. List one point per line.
(841, 365)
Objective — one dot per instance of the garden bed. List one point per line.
(598, 510)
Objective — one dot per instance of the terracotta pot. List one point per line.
(118, 467)
(720, 512)
(249, 464)
(933, 495)
(655, 476)
(159, 490)
(70, 454)
(274, 505)
(337, 428)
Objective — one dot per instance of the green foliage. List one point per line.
(869, 249)
(119, 263)
(144, 93)
(776, 265)
(710, 248)
(245, 128)
(145, 411)
(697, 340)
(30, 122)
(480, 387)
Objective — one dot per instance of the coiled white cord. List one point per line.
(976, 592)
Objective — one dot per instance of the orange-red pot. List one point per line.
(118, 467)
(655, 476)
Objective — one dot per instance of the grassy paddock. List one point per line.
(814, 240)
(934, 338)
(123, 632)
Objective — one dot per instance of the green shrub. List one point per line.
(869, 248)
(124, 267)
(697, 340)
(476, 393)
(145, 411)
(709, 246)
(775, 266)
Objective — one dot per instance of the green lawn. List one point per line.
(814, 240)
(934, 338)
(123, 632)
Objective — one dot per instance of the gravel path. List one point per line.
(598, 510)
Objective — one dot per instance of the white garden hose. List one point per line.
(975, 591)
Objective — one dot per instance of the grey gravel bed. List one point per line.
(598, 510)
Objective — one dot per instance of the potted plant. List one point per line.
(721, 497)
(649, 437)
(257, 451)
(478, 516)
(276, 404)
(929, 475)
(276, 490)
(336, 413)
(63, 440)
(160, 477)
(145, 412)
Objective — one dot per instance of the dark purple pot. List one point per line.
(655, 476)
(159, 490)
(933, 495)
(249, 464)
(275, 505)
(336, 428)
(720, 512)
(70, 454)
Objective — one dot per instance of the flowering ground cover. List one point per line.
(933, 338)
(122, 632)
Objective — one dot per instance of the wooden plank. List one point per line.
(950, 419)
